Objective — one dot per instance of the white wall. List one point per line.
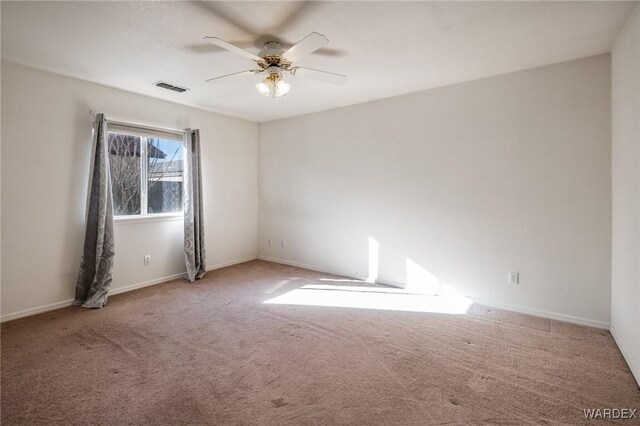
(46, 151)
(625, 277)
(465, 182)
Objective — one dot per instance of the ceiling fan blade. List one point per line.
(306, 46)
(230, 47)
(329, 77)
(235, 74)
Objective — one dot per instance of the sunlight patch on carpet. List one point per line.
(382, 298)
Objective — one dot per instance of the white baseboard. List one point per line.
(633, 363)
(543, 314)
(309, 267)
(520, 309)
(231, 263)
(69, 302)
(34, 311)
(136, 286)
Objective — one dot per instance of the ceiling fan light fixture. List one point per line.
(263, 88)
(281, 89)
(273, 86)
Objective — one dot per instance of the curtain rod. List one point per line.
(139, 125)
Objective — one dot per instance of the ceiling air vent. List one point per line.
(168, 86)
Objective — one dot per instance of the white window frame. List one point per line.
(144, 216)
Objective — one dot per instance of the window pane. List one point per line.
(164, 174)
(125, 164)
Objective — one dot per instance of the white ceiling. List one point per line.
(386, 48)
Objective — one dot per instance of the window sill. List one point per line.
(129, 220)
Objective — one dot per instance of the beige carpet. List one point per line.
(214, 353)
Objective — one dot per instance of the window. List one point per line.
(146, 171)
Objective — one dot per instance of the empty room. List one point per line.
(320, 213)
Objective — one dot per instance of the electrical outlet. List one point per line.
(282, 243)
(514, 278)
(269, 242)
(147, 259)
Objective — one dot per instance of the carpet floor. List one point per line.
(214, 353)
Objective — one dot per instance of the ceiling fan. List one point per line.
(274, 60)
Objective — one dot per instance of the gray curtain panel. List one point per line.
(96, 268)
(195, 255)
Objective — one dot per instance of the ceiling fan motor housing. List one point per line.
(273, 45)
(272, 48)
(272, 57)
